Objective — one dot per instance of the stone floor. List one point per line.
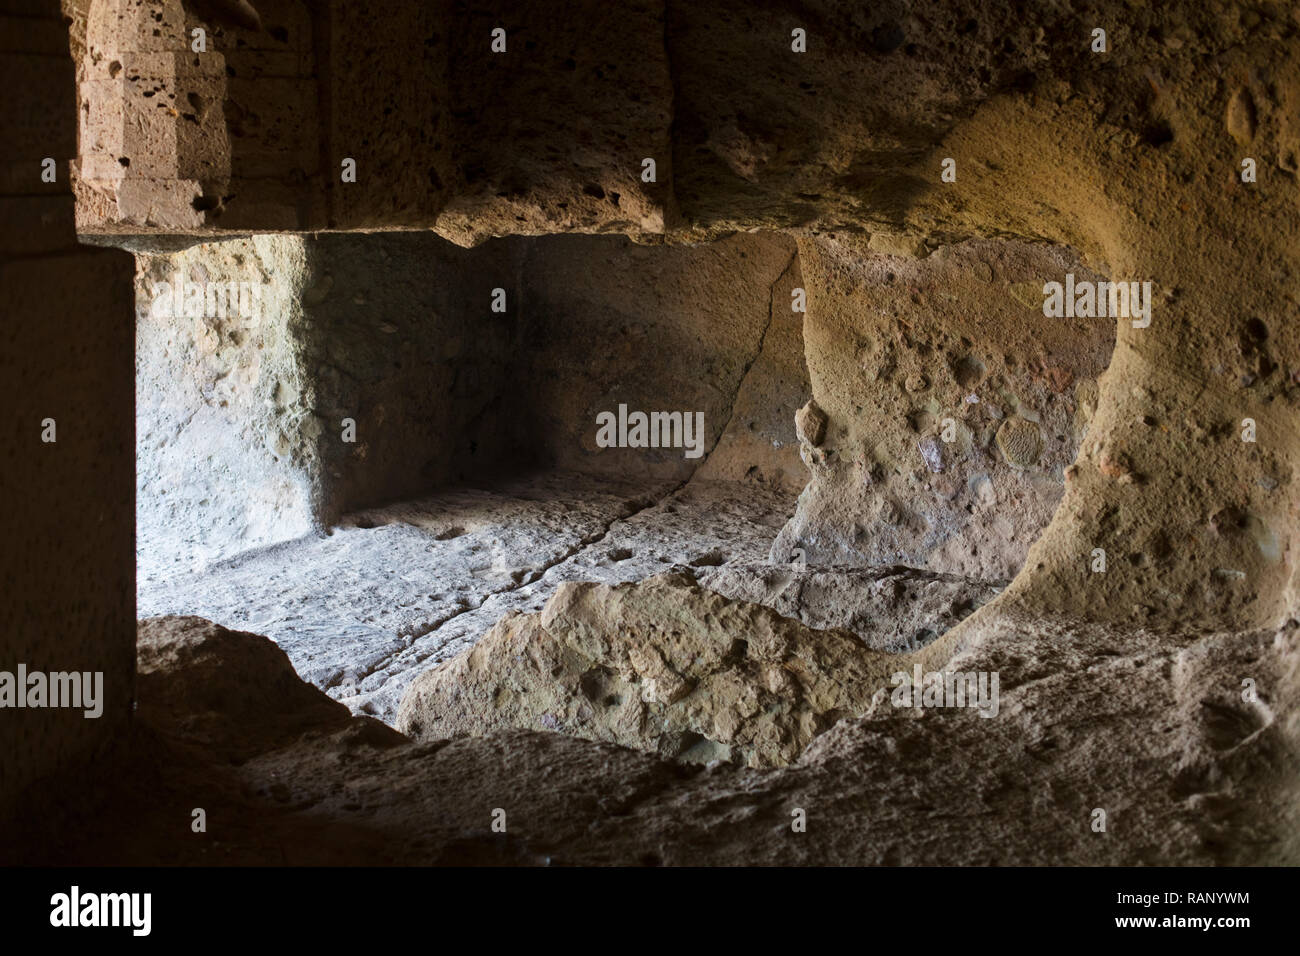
(365, 607)
(1149, 727)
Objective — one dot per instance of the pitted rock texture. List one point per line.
(1117, 160)
(252, 131)
(759, 443)
(1020, 441)
(226, 451)
(704, 524)
(810, 424)
(945, 407)
(663, 666)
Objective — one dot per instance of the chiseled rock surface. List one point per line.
(1150, 727)
(664, 666)
(689, 664)
(699, 525)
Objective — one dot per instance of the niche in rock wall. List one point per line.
(285, 381)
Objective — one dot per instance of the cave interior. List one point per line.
(479, 406)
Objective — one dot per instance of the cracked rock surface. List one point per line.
(1123, 686)
(889, 609)
(392, 591)
(362, 610)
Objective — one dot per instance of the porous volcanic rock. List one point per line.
(663, 666)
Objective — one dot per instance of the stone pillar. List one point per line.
(67, 570)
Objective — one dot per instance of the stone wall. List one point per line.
(659, 328)
(226, 441)
(946, 407)
(399, 336)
